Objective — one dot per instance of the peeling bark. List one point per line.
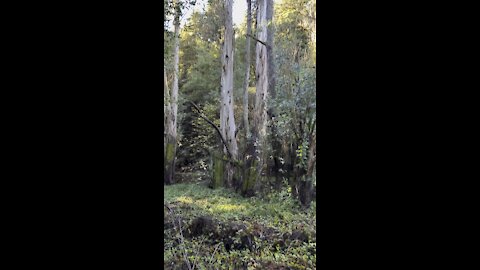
(227, 120)
(247, 69)
(255, 148)
(171, 121)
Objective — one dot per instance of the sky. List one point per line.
(239, 11)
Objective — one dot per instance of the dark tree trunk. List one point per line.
(305, 192)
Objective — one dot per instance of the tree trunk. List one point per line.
(275, 141)
(306, 189)
(176, 53)
(247, 70)
(166, 108)
(171, 127)
(312, 154)
(255, 149)
(218, 169)
(245, 94)
(227, 120)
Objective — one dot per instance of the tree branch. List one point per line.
(213, 125)
(254, 38)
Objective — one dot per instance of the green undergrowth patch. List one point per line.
(274, 220)
(279, 210)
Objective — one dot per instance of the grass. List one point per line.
(280, 213)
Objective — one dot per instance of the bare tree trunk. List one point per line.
(245, 88)
(176, 53)
(171, 136)
(312, 154)
(255, 149)
(166, 108)
(227, 120)
(275, 141)
(247, 69)
(260, 111)
(305, 186)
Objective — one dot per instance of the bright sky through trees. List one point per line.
(239, 11)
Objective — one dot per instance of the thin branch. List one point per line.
(183, 242)
(211, 258)
(254, 38)
(181, 238)
(213, 125)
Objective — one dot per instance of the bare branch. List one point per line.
(181, 238)
(213, 125)
(211, 258)
(257, 40)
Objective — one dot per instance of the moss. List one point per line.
(218, 169)
(169, 152)
(249, 182)
(169, 163)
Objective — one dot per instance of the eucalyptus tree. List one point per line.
(172, 115)
(227, 119)
(247, 70)
(256, 148)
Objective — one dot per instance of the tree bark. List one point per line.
(275, 141)
(247, 69)
(171, 127)
(227, 120)
(176, 53)
(255, 146)
(166, 106)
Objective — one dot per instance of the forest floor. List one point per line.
(219, 229)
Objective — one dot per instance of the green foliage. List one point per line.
(295, 101)
(270, 218)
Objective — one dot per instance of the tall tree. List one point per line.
(171, 127)
(227, 120)
(256, 149)
(274, 139)
(247, 69)
(166, 106)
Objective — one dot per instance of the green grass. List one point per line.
(279, 212)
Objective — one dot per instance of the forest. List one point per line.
(240, 134)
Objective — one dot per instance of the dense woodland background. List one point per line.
(240, 135)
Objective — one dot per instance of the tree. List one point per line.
(171, 125)
(295, 100)
(247, 70)
(227, 119)
(172, 117)
(274, 139)
(256, 150)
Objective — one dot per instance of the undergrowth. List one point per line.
(284, 232)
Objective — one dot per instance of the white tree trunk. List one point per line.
(166, 106)
(260, 113)
(227, 120)
(175, 73)
(256, 147)
(247, 69)
(171, 125)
